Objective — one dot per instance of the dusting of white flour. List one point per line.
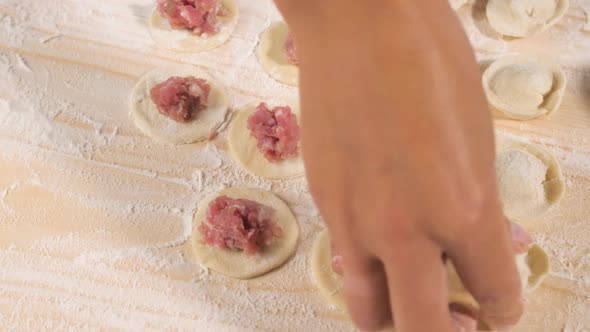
(95, 218)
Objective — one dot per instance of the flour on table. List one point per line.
(100, 234)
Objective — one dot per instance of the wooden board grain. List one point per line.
(95, 216)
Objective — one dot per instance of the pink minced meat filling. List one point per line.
(291, 50)
(521, 242)
(180, 97)
(198, 16)
(276, 131)
(239, 224)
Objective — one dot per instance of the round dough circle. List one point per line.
(238, 264)
(272, 56)
(529, 179)
(186, 41)
(243, 147)
(160, 127)
(521, 88)
(330, 284)
(522, 18)
(456, 4)
(532, 266)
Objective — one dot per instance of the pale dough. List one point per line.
(456, 4)
(185, 40)
(329, 283)
(522, 18)
(160, 127)
(272, 56)
(533, 266)
(238, 264)
(529, 179)
(243, 147)
(521, 88)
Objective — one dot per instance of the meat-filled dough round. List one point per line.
(162, 128)
(529, 179)
(272, 55)
(184, 40)
(237, 264)
(243, 147)
(532, 266)
(522, 18)
(522, 88)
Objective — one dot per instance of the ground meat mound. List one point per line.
(239, 224)
(199, 16)
(291, 50)
(337, 260)
(276, 130)
(180, 97)
(521, 240)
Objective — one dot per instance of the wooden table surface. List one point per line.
(95, 217)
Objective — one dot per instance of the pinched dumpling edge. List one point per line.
(552, 100)
(554, 184)
(561, 8)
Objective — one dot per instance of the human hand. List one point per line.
(398, 145)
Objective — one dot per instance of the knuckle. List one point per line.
(470, 198)
(466, 216)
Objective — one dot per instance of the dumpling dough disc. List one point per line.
(529, 179)
(329, 283)
(523, 89)
(237, 264)
(533, 266)
(272, 56)
(160, 127)
(522, 18)
(186, 41)
(243, 147)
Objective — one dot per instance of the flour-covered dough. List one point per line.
(522, 88)
(272, 56)
(237, 264)
(532, 266)
(243, 147)
(522, 18)
(329, 283)
(162, 128)
(529, 179)
(456, 4)
(184, 40)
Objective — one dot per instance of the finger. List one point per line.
(365, 284)
(485, 262)
(365, 289)
(417, 286)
